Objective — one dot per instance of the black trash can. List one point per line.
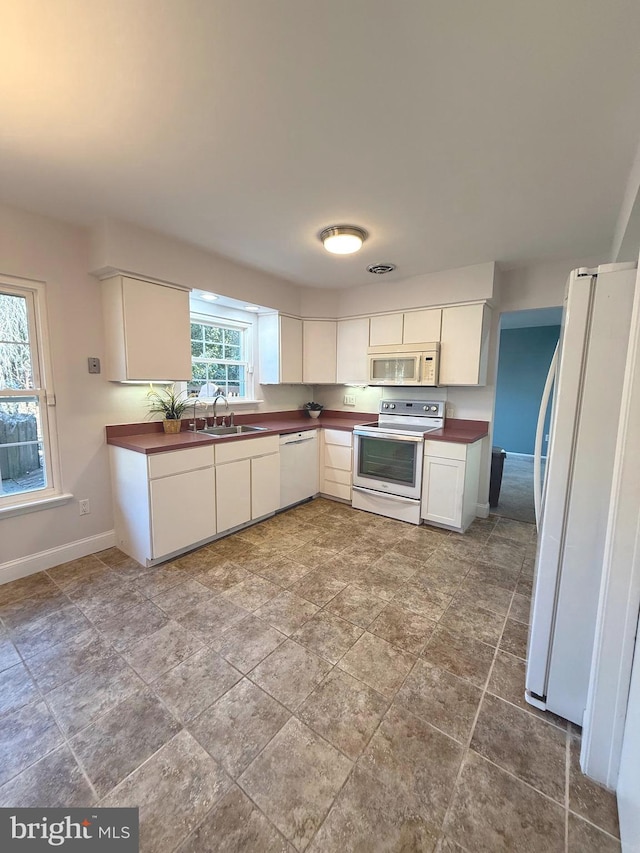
(498, 455)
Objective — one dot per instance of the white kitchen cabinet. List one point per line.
(386, 330)
(247, 480)
(319, 352)
(352, 358)
(164, 503)
(336, 465)
(233, 494)
(464, 344)
(280, 349)
(147, 330)
(450, 482)
(422, 326)
(265, 485)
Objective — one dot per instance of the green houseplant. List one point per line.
(168, 404)
(313, 409)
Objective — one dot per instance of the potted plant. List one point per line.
(170, 405)
(314, 409)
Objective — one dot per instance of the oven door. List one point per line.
(388, 462)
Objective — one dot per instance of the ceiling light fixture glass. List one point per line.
(343, 239)
(251, 308)
(208, 297)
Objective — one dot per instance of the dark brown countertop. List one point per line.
(150, 438)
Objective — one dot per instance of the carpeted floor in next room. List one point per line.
(327, 680)
(516, 493)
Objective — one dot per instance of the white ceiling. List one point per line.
(455, 132)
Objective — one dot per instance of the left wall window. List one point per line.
(27, 441)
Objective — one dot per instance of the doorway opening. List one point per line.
(527, 342)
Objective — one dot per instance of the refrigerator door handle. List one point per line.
(537, 453)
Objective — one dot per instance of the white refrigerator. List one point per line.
(586, 378)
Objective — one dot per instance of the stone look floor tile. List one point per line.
(445, 701)
(124, 738)
(521, 608)
(159, 652)
(58, 627)
(252, 593)
(162, 579)
(507, 682)
(8, 654)
(425, 602)
(377, 663)
(357, 606)
(587, 798)
(55, 781)
(494, 598)
(327, 635)
(442, 573)
(182, 598)
(523, 745)
(16, 689)
(586, 838)
(196, 683)
(247, 643)
(235, 825)
(209, 619)
(344, 711)
(28, 610)
(236, 727)
(402, 628)
(64, 661)
(349, 825)
(222, 576)
(290, 673)
(514, 638)
(287, 612)
(472, 621)
(492, 812)
(26, 587)
(490, 573)
(516, 531)
(127, 628)
(112, 602)
(174, 790)
(446, 845)
(318, 588)
(294, 781)
(503, 553)
(78, 702)
(461, 655)
(25, 736)
(419, 763)
(283, 571)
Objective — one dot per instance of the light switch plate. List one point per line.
(349, 400)
(94, 365)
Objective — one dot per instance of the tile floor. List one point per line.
(327, 680)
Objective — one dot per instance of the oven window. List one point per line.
(388, 460)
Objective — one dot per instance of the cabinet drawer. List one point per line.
(179, 461)
(445, 449)
(335, 475)
(338, 436)
(247, 449)
(337, 457)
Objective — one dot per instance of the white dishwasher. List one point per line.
(298, 467)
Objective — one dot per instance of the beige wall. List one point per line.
(540, 285)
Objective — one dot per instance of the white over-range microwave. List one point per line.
(405, 368)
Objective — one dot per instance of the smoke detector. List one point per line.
(380, 269)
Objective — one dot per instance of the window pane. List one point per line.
(232, 337)
(196, 331)
(214, 351)
(21, 453)
(14, 324)
(213, 334)
(217, 373)
(197, 349)
(199, 371)
(15, 366)
(232, 353)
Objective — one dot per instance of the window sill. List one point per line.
(34, 505)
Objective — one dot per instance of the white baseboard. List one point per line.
(482, 510)
(24, 566)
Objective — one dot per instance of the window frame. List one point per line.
(246, 329)
(36, 299)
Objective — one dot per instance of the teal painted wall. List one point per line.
(523, 363)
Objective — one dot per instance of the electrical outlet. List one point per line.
(449, 410)
(85, 509)
(349, 400)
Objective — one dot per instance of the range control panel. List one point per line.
(414, 408)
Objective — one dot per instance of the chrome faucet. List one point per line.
(194, 422)
(215, 403)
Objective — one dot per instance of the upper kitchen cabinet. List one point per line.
(411, 327)
(319, 352)
(464, 345)
(352, 343)
(147, 330)
(280, 349)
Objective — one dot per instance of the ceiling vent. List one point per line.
(380, 269)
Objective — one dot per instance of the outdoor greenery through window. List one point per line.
(220, 359)
(23, 417)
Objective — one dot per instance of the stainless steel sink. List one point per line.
(231, 430)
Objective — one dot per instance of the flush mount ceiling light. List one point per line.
(251, 308)
(208, 297)
(343, 239)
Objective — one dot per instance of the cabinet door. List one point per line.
(352, 359)
(422, 326)
(265, 485)
(183, 510)
(157, 331)
(319, 351)
(464, 343)
(290, 350)
(443, 490)
(386, 330)
(233, 494)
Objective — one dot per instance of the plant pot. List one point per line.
(313, 414)
(172, 426)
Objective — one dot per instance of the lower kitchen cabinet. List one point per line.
(265, 485)
(336, 463)
(183, 510)
(247, 480)
(233, 494)
(450, 481)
